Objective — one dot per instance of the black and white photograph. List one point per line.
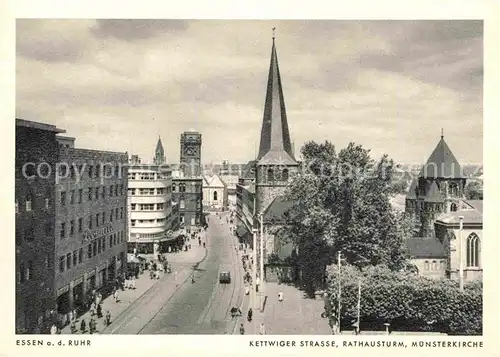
(249, 177)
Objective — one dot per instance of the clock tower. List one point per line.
(191, 153)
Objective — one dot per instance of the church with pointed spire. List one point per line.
(439, 188)
(275, 163)
(159, 158)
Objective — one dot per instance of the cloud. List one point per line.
(384, 84)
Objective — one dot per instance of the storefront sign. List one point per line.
(90, 235)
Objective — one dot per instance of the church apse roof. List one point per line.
(442, 163)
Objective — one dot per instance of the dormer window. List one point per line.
(270, 174)
(28, 204)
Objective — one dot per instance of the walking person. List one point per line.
(92, 325)
(115, 295)
(132, 283)
(53, 329)
(73, 327)
(92, 309)
(242, 329)
(99, 311)
(280, 296)
(262, 329)
(108, 318)
(249, 315)
(83, 326)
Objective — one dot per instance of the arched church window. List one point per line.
(215, 195)
(473, 250)
(453, 207)
(434, 265)
(426, 265)
(284, 175)
(270, 174)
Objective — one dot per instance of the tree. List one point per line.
(341, 203)
(474, 190)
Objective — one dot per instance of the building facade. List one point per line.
(36, 157)
(190, 158)
(152, 219)
(215, 194)
(428, 257)
(90, 225)
(187, 193)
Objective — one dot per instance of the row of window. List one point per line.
(149, 191)
(150, 235)
(93, 221)
(93, 193)
(96, 171)
(150, 206)
(97, 246)
(25, 272)
(182, 187)
(194, 220)
(134, 222)
(145, 176)
(433, 266)
(29, 206)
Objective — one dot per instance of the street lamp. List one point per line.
(254, 267)
(261, 260)
(460, 254)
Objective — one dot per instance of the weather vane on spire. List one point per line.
(442, 133)
(274, 29)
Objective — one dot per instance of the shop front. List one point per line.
(78, 294)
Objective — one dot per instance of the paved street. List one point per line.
(182, 307)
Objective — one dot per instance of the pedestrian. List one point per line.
(280, 296)
(83, 326)
(99, 311)
(262, 329)
(242, 329)
(247, 290)
(53, 329)
(115, 295)
(74, 314)
(70, 315)
(92, 309)
(249, 315)
(151, 274)
(73, 327)
(91, 325)
(132, 282)
(108, 318)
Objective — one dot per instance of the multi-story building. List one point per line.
(90, 225)
(215, 194)
(36, 157)
(152, 219)
(188, 195)
(190, 154)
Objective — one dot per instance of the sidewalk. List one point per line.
(142, 285)
(295, 315)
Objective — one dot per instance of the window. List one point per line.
(441, 265)
(103, 192)
(97, 219)
(121, 190)
(103, 242)
(132, 207)
(61, 263)
(22, 272)
(182, 204)
(62, 198)
(110, 240)
(80, 224)
(121, 212)
(97, 193)
(80, 196)
(28, 204)
(75, 258)
(110, 191)
(94, 248)
(89, 251)
(111, 216)
(132, 222)
(63, 230)
(99, 246)
(72, 197)
(160, 206)
(29, 270)
(116, 213)
(215, 195)
(90, 194)
(103, 217)
(72, 227)
(181, 218)
(116, 190)
(80, 255)
(453, 207)
(91, 171)
(17, 207)
(48, 262)
(473, 250)
(90, 222)
(68, 261)
(98, 171)
(131, 191)
(174, 187)
(426, 265)
(270, 174)
(47, 203)
(284, 175)
(434, 266)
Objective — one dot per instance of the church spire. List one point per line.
(159, 158)
(275, 144)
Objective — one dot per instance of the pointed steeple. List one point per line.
(159, 158)
(275, 144)
(442, 163)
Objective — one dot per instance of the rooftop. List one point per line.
(38, 125)
(425, 248)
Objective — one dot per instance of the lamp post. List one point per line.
(359, 305)
(460, 254)
(339, 292)
(254, 268)
(261, 260)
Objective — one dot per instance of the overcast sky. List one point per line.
(388, 85)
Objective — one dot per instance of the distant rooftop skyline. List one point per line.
(388, 85)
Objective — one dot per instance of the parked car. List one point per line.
(225, 277)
